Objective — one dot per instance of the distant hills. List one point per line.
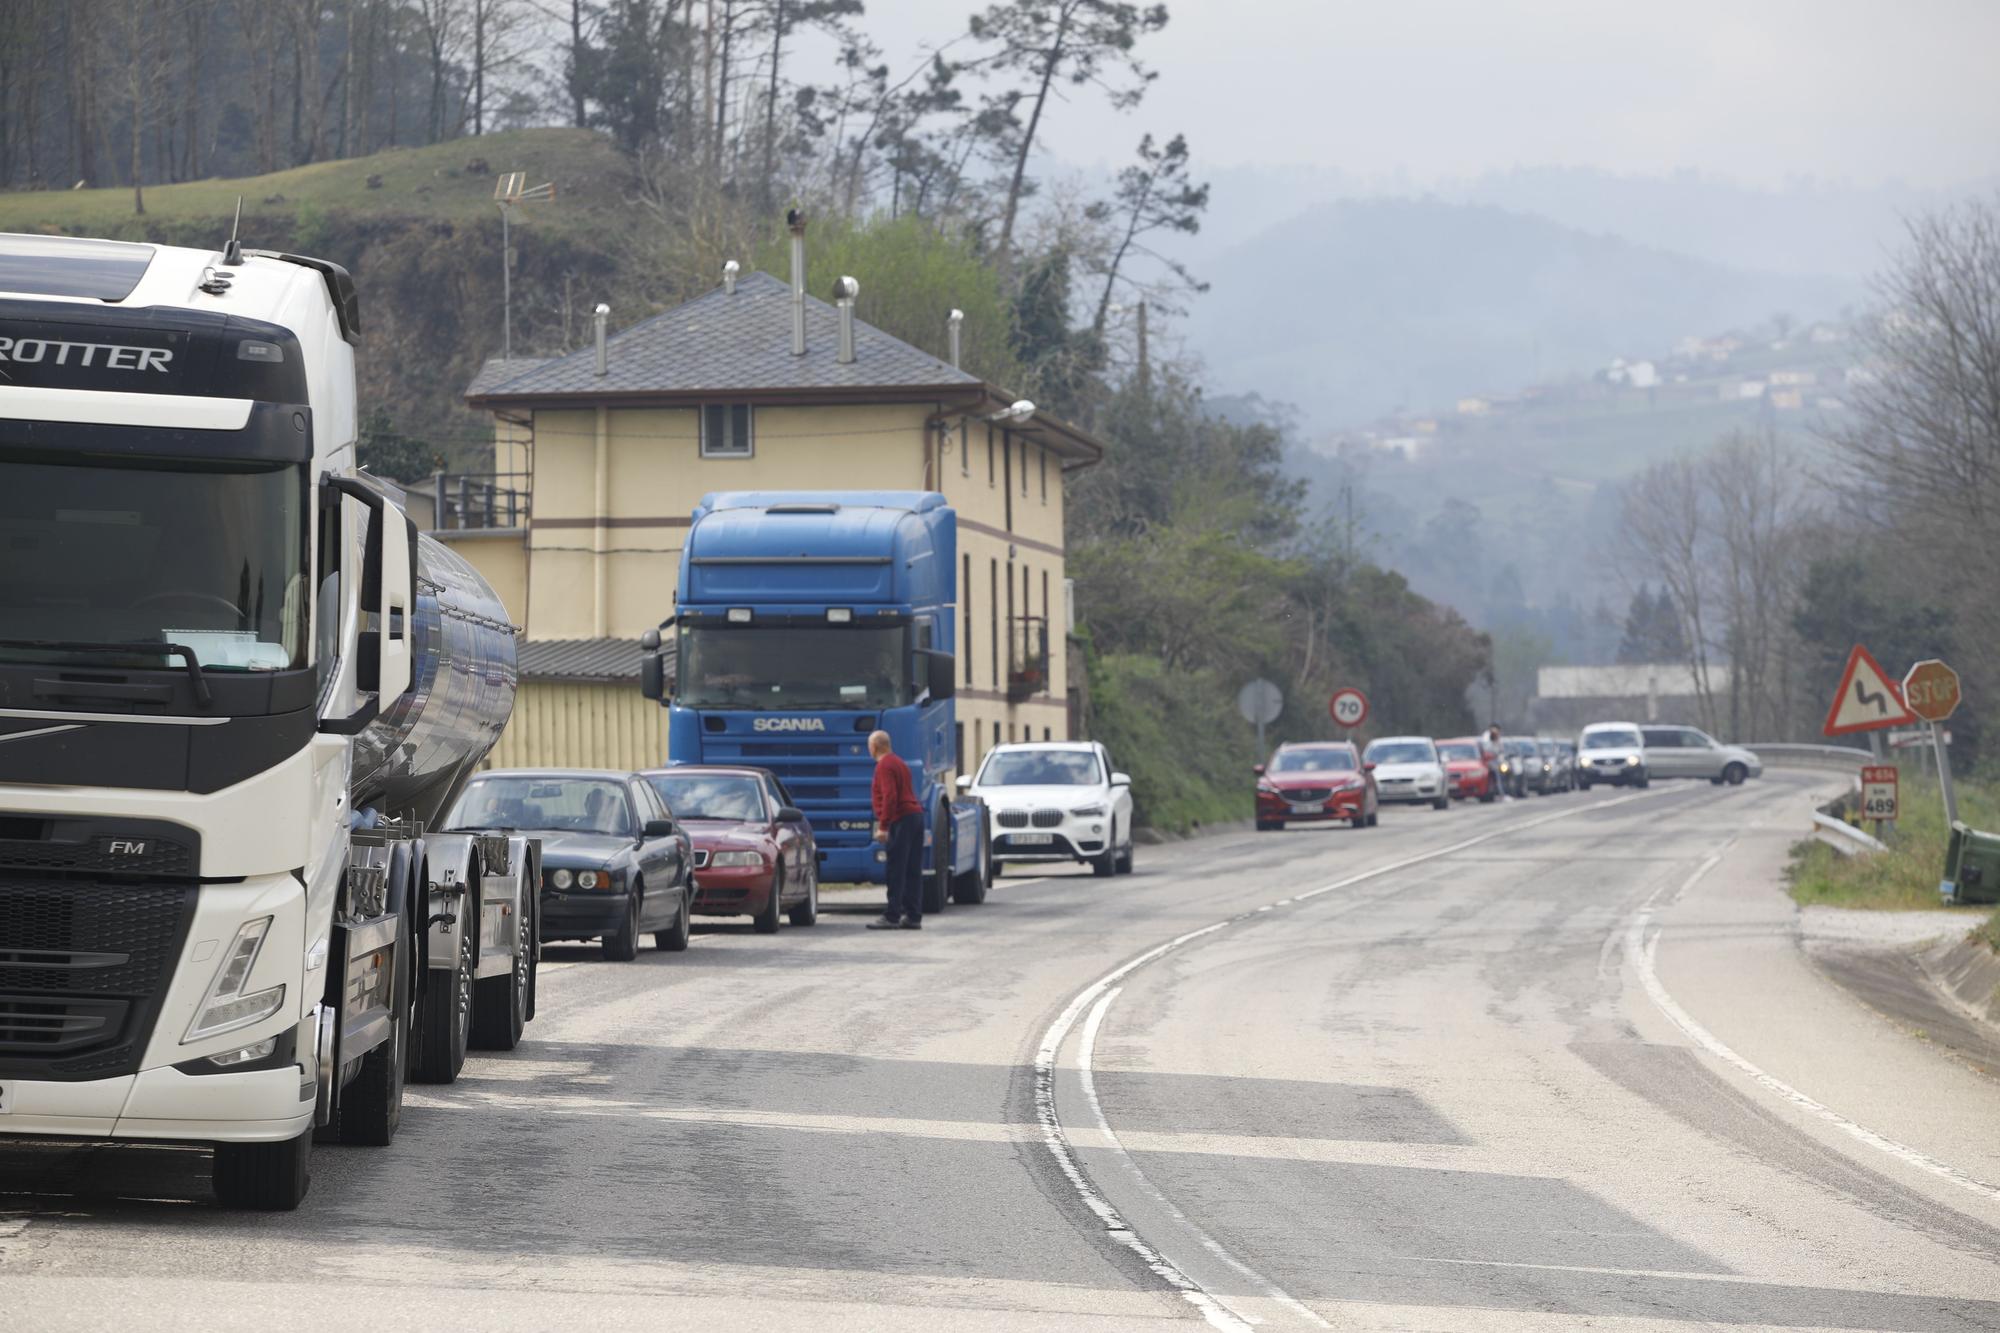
(1355, 309)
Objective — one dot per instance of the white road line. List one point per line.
(1085, 1054)
(1644, 955)
(1057, 1141)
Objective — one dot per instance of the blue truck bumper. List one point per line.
(851, 865)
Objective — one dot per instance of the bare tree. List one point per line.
(1667, 534)
(1154, 194)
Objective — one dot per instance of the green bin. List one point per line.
(1971, 866)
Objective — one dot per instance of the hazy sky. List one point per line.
(1861, 91)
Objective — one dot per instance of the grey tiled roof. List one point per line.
(721, 343)
(600, 660)
(498, 370)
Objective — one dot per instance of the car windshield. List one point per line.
(209, 555)
(1459, 753)
(1402, 752)
(732, 796)
(778, 667)
(545, 802)
(1040, 768)
(1612, 738)
(1320, 759)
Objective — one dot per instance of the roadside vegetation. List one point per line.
(1905, 877)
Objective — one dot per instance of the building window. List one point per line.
(965, 608)
(1024, 467)
(1048, 734)
(989, 453)
(964, 448)
(996, 733)
(725, 430)
(1045, 597)
(1042, 463)
(958, 746)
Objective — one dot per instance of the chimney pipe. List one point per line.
(729, 271)
(601, 317)
(957, 318)
(844, 293)
(796, 220)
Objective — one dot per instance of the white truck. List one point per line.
(236, 685)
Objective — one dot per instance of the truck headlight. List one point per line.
(226, 1008)
(739, 860)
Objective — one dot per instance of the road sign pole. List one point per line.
(1882, 826)
(1944, 775)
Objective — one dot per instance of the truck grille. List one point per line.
(84, 965)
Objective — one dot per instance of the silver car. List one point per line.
(1684, 752)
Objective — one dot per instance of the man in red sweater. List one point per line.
(899, 820)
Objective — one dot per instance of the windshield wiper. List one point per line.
(195, 678)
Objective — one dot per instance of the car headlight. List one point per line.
(226, 1008)
(724, 860)
(1267, 789)
(1089, 812)
(590, 879)
(1631, 761)
(562, 879)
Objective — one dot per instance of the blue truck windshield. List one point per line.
(792, 667)
(131, 551)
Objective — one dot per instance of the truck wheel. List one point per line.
(369, 1109)
(533, 929)
(675, 938)
(622, 945)
(806, 913)
(445, 1014)
(772, 917)
(500, 1004)
(938, 877)
(269, 1177)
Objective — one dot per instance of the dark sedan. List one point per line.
(754, 853)
(614, 865)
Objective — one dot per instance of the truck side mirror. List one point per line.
(940, 674)
(396, 606)
(653, 676)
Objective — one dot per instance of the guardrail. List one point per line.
(1854, 837)
(1787, 754)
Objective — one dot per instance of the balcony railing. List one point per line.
(1027, 657)
(467, 500)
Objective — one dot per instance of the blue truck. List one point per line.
(803, 621)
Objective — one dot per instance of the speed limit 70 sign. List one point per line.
(1348, 707)
(1878, 791)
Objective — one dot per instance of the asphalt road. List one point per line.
(1552, 1064)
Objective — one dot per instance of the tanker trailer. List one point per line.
(235, 686)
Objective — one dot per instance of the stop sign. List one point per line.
(1931, 690)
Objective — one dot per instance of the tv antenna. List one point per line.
(232, 249)
(510, 192)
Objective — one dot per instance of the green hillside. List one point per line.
(450, 181)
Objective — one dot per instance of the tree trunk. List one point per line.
(313, 93)
(347, 99)
(478, 67)
(579, 113)
(135, 73)
(1005, 252)
(768, 194)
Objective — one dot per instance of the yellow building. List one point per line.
(599, 461)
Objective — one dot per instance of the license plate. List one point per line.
(1306, 808)
(1032, 839)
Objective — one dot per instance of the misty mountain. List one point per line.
(1354, 309)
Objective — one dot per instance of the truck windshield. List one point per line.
(779, 667)
(209, 555)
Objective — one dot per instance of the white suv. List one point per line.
(1407, 768)
(1056, 801)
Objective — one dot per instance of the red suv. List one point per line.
(1310, 782)
(1466, 767)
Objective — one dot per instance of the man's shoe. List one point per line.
(911, 925)
(885, 923)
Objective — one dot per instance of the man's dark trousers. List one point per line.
(906, 869)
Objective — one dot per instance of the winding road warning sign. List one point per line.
(1867, 699)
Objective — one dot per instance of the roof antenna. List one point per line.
(232, 249)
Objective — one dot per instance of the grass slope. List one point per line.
(1906, 876)
(441, 182)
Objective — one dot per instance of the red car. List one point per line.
(754, 853)
(1465, 765)
(1310, 782)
